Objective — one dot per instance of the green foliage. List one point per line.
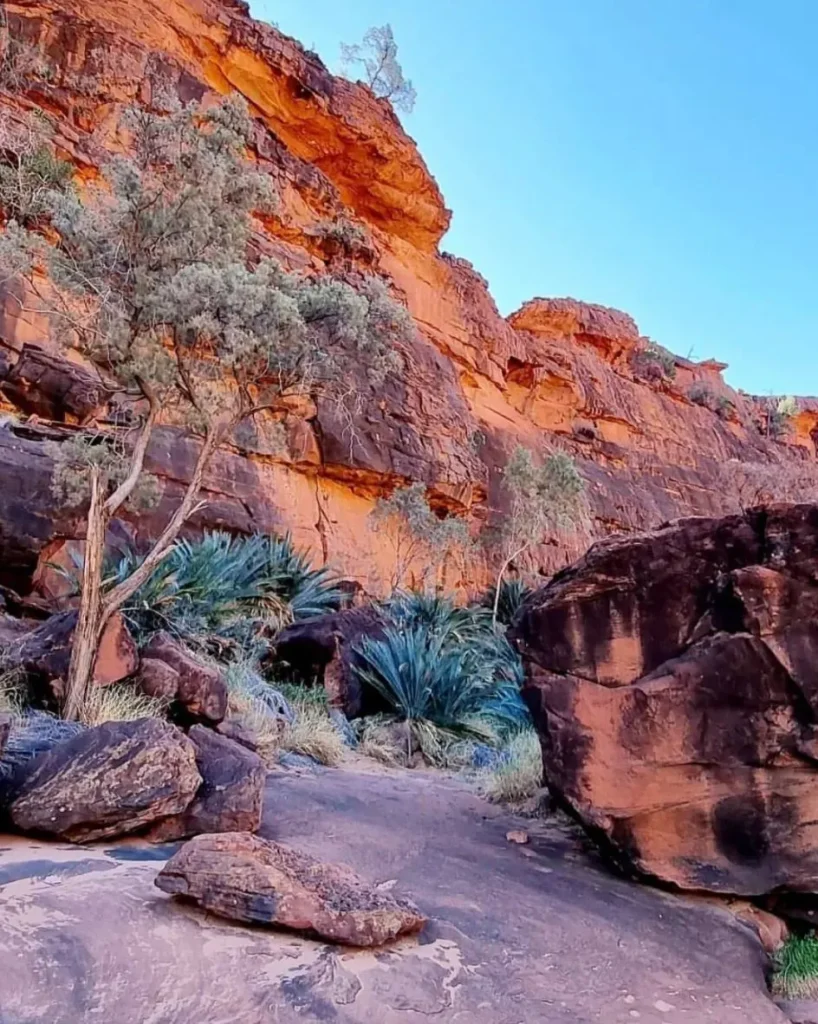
(378, 56)
(702, 394)
(418, 534)
(239, 589)
(780, 416)
(70, 482)
(445, 665)
(796, 968)
(512, 593)
(28, 181)
(345, 236)
(655, 362)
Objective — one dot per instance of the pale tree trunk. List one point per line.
(89, 619)
(500, 576)
(121, 593)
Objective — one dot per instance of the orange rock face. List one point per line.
(672, 677)
(556, 374)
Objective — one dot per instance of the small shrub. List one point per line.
(344, 236)
(654, 362)
(701, 394)
(796, 968)
(28, 181)
(378, 740)
(519, 775)
(314, 735)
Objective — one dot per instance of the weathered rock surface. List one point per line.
(674, 680)
(196, 687)
(245, 878)
(87, 937)
(45, 653)
(558, 373)
(108, 781)
(322, 649)
(230, 796)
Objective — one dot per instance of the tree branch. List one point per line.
(126, 488)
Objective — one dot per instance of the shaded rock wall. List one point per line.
(558, 373)
(673, 678)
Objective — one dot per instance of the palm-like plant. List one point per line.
(226, 585)
(511, 595)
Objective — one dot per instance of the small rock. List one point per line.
(236, 729)
(517, 836)
(244, 878)
(108, 781)
(343, 727)
(287, 759)
(230, 796)
(799, 1011)
(157, 679)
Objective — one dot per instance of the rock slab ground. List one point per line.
(533, 934)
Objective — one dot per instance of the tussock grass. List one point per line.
(796, 968)
(519, 777)
(119, 703)
(12, 692)
(314, 735)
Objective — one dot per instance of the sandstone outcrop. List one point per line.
(230, 796)
(108, 781)
(674, 680)
(245, 878)
(558, 373)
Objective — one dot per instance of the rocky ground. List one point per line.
(534, 932)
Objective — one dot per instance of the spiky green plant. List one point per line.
(796, 968)
(227, 586)
(509, 601)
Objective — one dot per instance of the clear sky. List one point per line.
(660, 156)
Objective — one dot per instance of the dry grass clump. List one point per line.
(12, 692)
(313, 735)
(378, 739)
(520, 776)
(119, 703)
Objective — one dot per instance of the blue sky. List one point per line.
(660, 156)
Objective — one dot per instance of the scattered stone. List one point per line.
(244, 878)
(230, 796)
(108, 781)
(201, 690)
(517, 836)
(157, 679)
(799, 1011)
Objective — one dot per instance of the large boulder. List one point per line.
(323, 649)
(231, 794)
(242, 877)
(197, 688)
(108, 781)
(673, 678)
(45, 653)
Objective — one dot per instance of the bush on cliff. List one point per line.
(157, 285)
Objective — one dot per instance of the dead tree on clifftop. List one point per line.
(153, 286)
(378, 56)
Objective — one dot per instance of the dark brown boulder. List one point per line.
(673, 678)
(108, 781)
(200, 690)
(230, 796)
(245, 878)
(45, 652)
(323, 649)
(157, 679)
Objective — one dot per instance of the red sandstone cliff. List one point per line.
(558, 373)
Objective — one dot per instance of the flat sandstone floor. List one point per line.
(519, 934)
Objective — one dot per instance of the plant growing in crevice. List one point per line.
(345, 237)
(780, 415)
(542, 497)
(654, 362)
(154, 286)
(418, 533)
